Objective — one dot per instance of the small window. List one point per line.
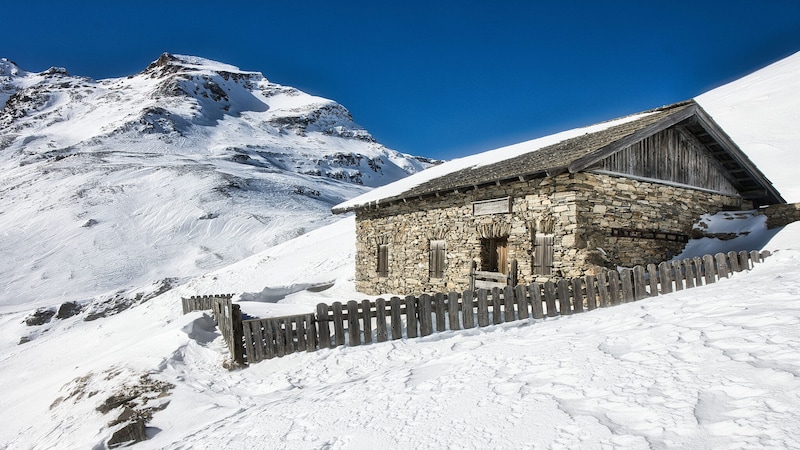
(436, 260)
(494, 256)
(383, 260)
(543, 254)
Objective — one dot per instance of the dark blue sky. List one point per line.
(433, 78)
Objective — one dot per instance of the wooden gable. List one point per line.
(673, 155)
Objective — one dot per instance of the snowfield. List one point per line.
(716, 366)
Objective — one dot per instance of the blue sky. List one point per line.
(434, 78)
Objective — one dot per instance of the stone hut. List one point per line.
(619, 193)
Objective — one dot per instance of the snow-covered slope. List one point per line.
(187, 166)
(761, 112)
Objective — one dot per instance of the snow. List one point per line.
(475, 161)
(716, 366)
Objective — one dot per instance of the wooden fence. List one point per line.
(356, 323)
(228, 317)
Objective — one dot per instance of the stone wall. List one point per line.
(781, 215)
(582, 209)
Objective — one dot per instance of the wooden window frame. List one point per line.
(382, 267)
(437, 262)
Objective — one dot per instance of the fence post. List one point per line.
(722, 265)
(577, 295)
(452, 310)
(411, 316)
(497, 316)
(626, 276)
(652, 272)
(690, 275)
(425, 318)
(278, 335)
(550, 298)
(677, 269)
(483, 308)
(664, 276)
(744, 260)
(591, 293)
(733, 259)
(639, 286)
(381, 333)
(708, 268)
(521, 298)
(322, 324)
(438, 301)
(467, 309)
(535, 291)
(613, 287)
(395, 303)
(311, 334)
(602, 288)
(563, 298)
(248, 343)
(366, 309)
(508, 303)
(755, 257)
(237, 346)
(338, 324)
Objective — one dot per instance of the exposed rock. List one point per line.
(39, 317)
(68, 309)
(127, 435)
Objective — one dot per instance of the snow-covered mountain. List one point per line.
(710, 367)
(187, 166)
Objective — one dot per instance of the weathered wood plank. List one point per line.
(722, 265)
(522, 301)
(508, 304)
(639, 284)
(535, 292)
(483, 308)
(438, 301)
(311, 334)
(366, 317)
(248, 342)
(265, 339)
(744, 260)
(467, 309)
(577, 295)
(652, 274)
(591, 292)
(381, 332)
(708, 268)
(497, 306)
(664, 278)
(301, 344)
(602, 288)
(338, 324)
(412, 306)
(274, 326)
(564, 307)
(677, 271)
(755, 258)
(688, 270)
(614, 287)
(699, 270)
(425, 315)
(626, 278)
(323, 320)
(452, 310)
(550, 298)
(733, 260)
(397, 321)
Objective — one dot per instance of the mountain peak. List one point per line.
(9, 68)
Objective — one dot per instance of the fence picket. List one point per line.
(275, 331)
(264, 338)
(522, 301)
(577, 295)
(626, 277)
(591, 292)
(497, 306)
(483, 308)
(323, 320)
(755, 257)
(677, 270)
(708, 268)
(338, 324)
(564, 307)
(452, 310)
(639, 285)
(602, 288)
(664, 278)
(722, 265)
(411, 316)
(395, 304)
(652, 273)
(301, 344)
(688, 269)
(467, 309)
(311, 334)
(614, 287)
(733, 260)
(425, 315)
(366, 309)
(248, 342)
(744, 260)
(381, 333)
(438, 302)
(535, 290)
(508, 303)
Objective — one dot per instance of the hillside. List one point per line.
(124, 187)
(711, 367)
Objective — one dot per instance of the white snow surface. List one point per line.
(711, 367)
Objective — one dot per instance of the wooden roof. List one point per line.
(579, 153)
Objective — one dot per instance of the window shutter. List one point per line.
(436, 261)
(383, 260)
(543, 254)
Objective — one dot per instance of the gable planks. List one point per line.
(672, 155)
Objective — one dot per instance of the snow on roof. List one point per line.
(477, 161)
